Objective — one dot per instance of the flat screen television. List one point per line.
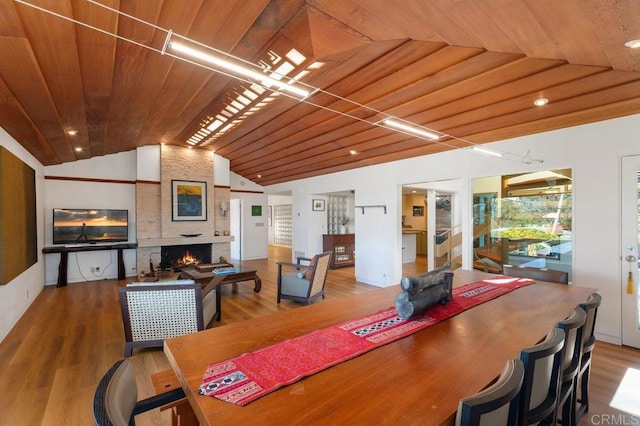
(73, 226)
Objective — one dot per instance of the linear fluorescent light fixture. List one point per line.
(410, 129)
(237, 69)
(487, 151)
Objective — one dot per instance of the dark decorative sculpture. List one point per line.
(421, 292)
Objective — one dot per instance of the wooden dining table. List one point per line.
(418, 379)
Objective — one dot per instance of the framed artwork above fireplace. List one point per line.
(189, 200)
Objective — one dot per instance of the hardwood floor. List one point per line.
(52, 360)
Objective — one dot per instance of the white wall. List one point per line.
(115, 189)
(592, 151)
(148, 163)
(254, 229)
(221, 171)
(19, 293)
(120, 172)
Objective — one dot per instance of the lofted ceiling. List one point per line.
(468, 70)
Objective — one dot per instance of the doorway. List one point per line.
(630, 239)
(432, 234)
(235, 224)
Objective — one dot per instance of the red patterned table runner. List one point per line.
(249, 376)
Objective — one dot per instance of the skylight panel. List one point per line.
(257, 88)
(238, 105)
(231, 109)
(302, 74)
(213, 126)
(282, 70)
(296, 57)
(249, 94)
(243, 99)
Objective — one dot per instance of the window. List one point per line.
(282, 225)
(524, 219)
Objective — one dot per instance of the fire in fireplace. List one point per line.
(177, 257)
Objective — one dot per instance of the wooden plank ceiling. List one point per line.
(467, 69)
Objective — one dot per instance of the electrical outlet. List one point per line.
(97, 269)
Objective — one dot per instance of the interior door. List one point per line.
(235, 224)
(443, 230)
(630, 239)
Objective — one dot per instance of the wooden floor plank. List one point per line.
(53, 359)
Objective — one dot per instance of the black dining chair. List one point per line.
(589, 341)
(115, 400)
(498, 403)
(573, 327)
(542, 365)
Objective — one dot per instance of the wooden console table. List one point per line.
(64, 257)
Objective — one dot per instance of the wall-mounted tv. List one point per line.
(72, 226)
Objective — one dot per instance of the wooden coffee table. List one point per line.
(205, 278)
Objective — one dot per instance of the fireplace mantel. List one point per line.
(177, 241)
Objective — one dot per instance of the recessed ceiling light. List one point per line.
(541, 101)
(633, 44)
(78, 149)
(353, 152)
(259, 176)
(72, 132)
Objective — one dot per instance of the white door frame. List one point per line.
(629, 250)
(235, 224)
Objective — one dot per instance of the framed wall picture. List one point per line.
(418, 210)
(18, 220)
(318, 205)
(256, 210)
(189, 200)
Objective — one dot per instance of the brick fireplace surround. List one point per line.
(155, 227)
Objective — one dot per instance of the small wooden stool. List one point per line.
(181, 412)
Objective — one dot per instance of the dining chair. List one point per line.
(303, 283)
(573, 327)
(153, 312)
(115, 401)
(498, 403)
(542, 364)
(541, 274)
(588, 343)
